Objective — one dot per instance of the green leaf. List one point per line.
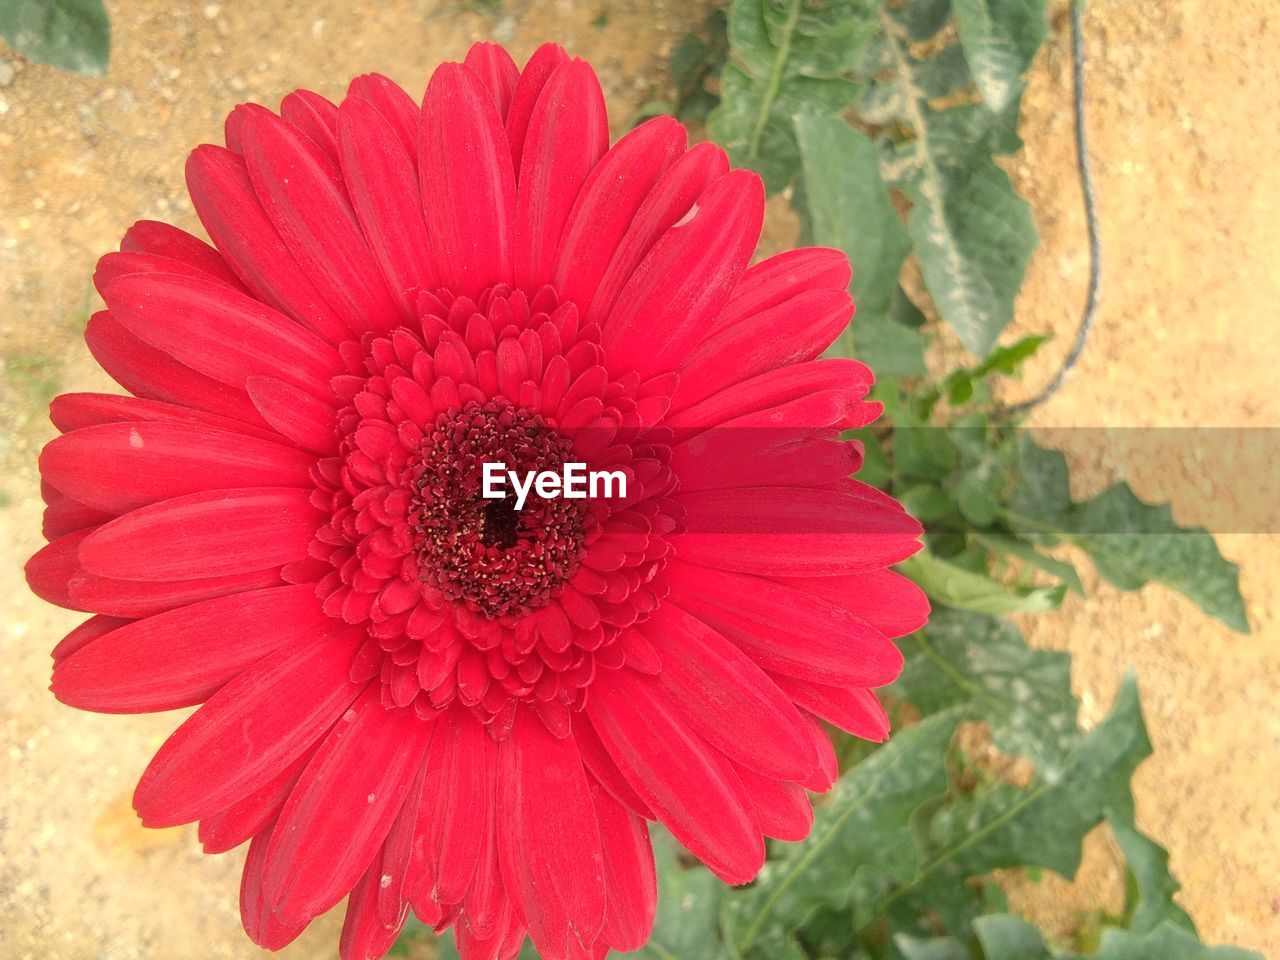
(999, 37)
(973, 237)
(940, 948)
(70, 34)
(971, 232)
(1166, 942)
(700, 55)
(1150, 900)
(1130, 542)
(864, 825)
(686, 924)
(1004, 937)
(983, 665)
(1027, 552)
(848, 208)
(787, 58)
(956, 587)
(1043, 824)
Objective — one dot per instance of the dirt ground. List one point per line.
(1185, 124)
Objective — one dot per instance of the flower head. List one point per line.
(412, 693)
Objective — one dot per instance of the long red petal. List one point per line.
(568, 133)
(212, 534)
(118, 467)
(692, 788)
(468, 183)
(549, 840)
(343, 806)
(178, 658)
(250, 729)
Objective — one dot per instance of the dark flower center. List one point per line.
(485, 552)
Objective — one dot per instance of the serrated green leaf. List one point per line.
(1027, 552)
(1005, 937)
(926, 502)
(1165, 942)
(686, 923)
(1130, 542)
(973, 236)
(1151, 899)
(999, 37)
(699, 55)
(963, 589)
(848, 208)
(939, 948)
(971, 232)
(70, 34)
(864, 825)
(983, 665)
(1043, 824)
(788, 58)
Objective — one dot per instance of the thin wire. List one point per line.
(1090, 216)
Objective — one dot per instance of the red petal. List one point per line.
(667, 203)
(392, 102)
(852, 709)
(888, 601)
(769, 390)
(301, 191)
(496, 70)
(296, 415)
(796, 530)
(118, 467)
(314, 116)
(218, 533)
(179, 658)
(87, 632)
(692, 788)
(726, 699)
(457, 799)
(783, 809)
(795, 331)
(568, 133)
(549, 841)
(524, 98)
(135, 598)
(227, 829)
(383, 183)
(687, 277)
(786, 630)
(782, 276)
(148, 372)
(632, 886)
(249, 731)
(344, 804)
(50, 570)
(364, 935)
(608, 203)
(164, 240)
(602, 768)
(263, 927)
(220, 333)
(468, 184)
(72, 411)
(229, 209)
(62, 515)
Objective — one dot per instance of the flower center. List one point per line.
(481, 551)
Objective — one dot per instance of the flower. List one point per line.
(411, 693)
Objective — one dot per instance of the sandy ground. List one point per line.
(1185, 99)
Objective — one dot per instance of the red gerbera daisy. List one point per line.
(412, 693)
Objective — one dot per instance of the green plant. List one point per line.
(72, 34)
